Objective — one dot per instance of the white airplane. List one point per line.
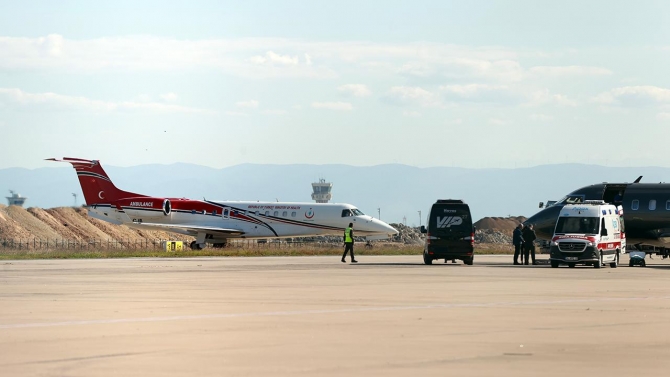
(216, 221)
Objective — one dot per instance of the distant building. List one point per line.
(322, 190)
(16, 199)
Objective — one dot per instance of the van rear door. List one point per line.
(449, 223)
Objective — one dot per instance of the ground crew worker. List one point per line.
(349, 243)
(529, 238)
(517, 241)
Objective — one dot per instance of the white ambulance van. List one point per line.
(590, 233)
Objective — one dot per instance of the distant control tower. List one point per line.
(16, 199)
(322, 190)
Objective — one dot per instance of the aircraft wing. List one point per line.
(192, 230)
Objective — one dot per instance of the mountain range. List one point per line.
(394, 192)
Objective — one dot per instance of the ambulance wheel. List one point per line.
(555, 263)
(571, 265)
(469, 261)
(616, 261)
(599, 263)
(427, 259)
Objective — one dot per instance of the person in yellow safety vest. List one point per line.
(349, 243)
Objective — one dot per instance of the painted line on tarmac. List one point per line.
(322, 311)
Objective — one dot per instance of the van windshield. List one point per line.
(580, 225)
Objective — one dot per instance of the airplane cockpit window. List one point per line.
(346, 213)
(357, 212)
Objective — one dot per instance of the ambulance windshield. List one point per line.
(579, 225)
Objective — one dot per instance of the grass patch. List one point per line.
(233, 251)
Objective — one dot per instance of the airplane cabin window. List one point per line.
(667, 205)
(276, 213)
(284, 214)
(293, 214)
(214, 212)
(267, 213)
(652, 205)
(225, 213)
(635, 205)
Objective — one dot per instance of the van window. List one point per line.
(622, 224)
(450, 218)
(652, 205)
(635, 205)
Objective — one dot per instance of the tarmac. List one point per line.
(315, 316)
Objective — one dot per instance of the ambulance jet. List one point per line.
(216, 222)
(646, 210)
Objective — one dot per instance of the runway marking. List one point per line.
(321, 311)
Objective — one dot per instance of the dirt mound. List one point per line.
(68, 223)
(499, 224)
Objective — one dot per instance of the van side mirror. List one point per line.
(541, 205)
(423, 229)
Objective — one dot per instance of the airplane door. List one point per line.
(614, 193)
(225, 214)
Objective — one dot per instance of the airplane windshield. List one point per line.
(580, 225)
(572, 199)
(351, 212)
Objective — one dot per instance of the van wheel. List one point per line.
(469, 261)
(630, 264)
(599, 263)
(571, 265)
(555, 263)
(643, 264)
(616, 261)
(427, 259)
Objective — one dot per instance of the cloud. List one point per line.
(663, 116)
(274, 58)
(645, 95)
(478, 93)
(413, 114)
(169, 97)
(308, 59)
(18, 98)
(498, 122)
(540, 117)
(252, 104)
(235, 113)
(544, 97)
(570, 70)
(274, 112)
(406, 95)
(356, 90)
(342, 106)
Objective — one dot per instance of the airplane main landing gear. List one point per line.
(196, 246)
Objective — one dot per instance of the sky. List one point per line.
(475, 84)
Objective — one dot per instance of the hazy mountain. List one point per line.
(398, 190)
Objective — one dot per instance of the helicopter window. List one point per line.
(635, 205)
(652, 205)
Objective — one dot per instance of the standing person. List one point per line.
(517, 241)
(349, 243)
(529, 238)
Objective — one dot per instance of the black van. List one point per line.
(450, 233)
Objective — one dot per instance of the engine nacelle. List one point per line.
(144, 207)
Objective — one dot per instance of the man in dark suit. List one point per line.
(517, 241)
(529, 238)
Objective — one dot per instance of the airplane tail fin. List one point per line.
(95, 183)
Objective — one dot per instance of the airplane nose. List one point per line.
(544, 222)
(384, 227)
